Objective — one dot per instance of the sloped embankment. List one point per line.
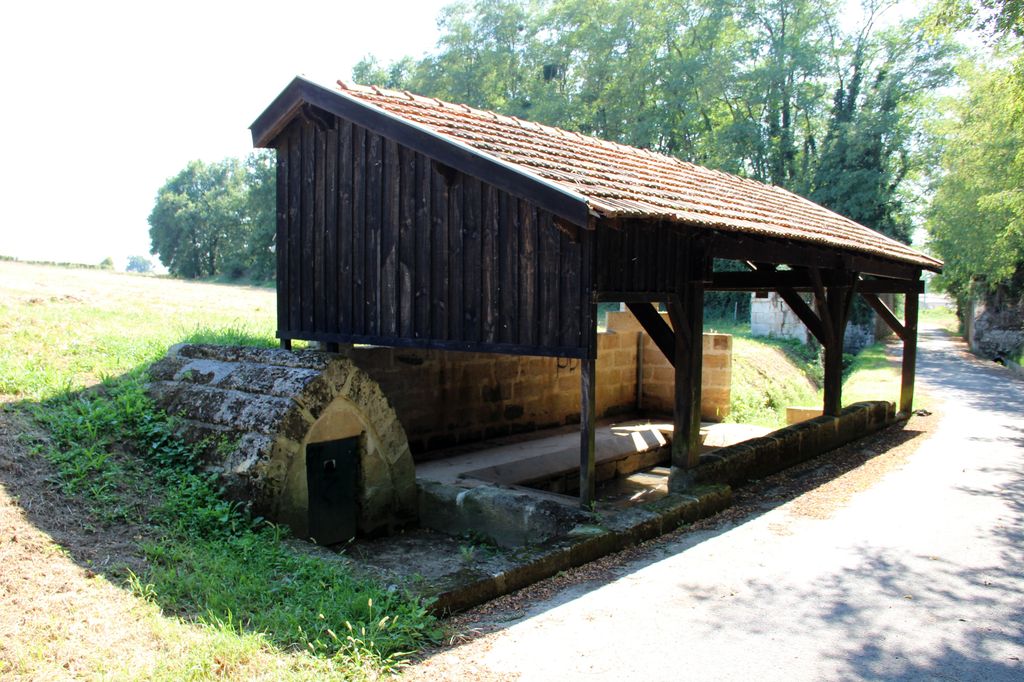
(765, 380)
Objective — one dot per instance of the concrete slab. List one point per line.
(556, 452)
(550, 454)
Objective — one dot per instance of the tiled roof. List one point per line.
(619, 181)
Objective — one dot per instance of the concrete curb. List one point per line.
(582, 545)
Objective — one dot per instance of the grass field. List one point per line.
(119, 559)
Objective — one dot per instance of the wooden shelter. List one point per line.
(408, 221)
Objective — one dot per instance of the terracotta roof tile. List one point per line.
(619, 181)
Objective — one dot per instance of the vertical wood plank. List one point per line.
(308, 219)
(390, 219)
(472, 284)
(408, 189)
(508, 238)
(281, 238)
(319, 228)
(910, 311)
(528, 266)
(621, 262)
(439, 252)
(569, 271)
(549, 280)
(588, 294)
(374, 208)
(359, 159)
(636, 257)
(294, 247)
(455, 231)
(423, 246)
(329, 321)
(345, 169)
(489, 267)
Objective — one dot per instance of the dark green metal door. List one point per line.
(332, 472)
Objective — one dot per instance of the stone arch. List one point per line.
(268, 405)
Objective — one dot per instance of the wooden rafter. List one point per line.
(883, 311)
(656, 327)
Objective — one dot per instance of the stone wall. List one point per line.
(759, 457)
(254, 410)
(771, 316)
(448, 398)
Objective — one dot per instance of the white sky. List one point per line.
(103, 101)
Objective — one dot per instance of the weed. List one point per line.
(468, 553)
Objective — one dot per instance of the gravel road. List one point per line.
(918, 576)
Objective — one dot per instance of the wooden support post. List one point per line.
(687, 313)
(588, 413)
(834, 312)
(286, 344)
(909, 353)
(588, 410)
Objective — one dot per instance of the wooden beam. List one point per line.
(588, 418)
(890, 286)
(475, 347)
(803, 311)
(882, 310)
(767, 278)
(687, 313)
(836, 307)
(743, 246)
(821, 303)
(909, 354)
(654, 324)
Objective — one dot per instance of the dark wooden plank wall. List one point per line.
(378, 244)
(640, 259)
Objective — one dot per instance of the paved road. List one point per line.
(919, 577)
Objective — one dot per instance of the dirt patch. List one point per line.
(59, 601)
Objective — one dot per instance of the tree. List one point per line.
(107, 263)
(218, 218)
(197, 217)
(139, 264)
(874, 139)
(976, 219)
(998, 18)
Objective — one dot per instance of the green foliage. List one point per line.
(742, 86)
(993, 17)
(212, 562)
(976, 219)
(107, 263)
(217, 218)
(874, 138)
(765, 382)
(139, 264)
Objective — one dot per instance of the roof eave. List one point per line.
(562, 202)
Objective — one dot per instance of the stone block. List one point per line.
(797, 414)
